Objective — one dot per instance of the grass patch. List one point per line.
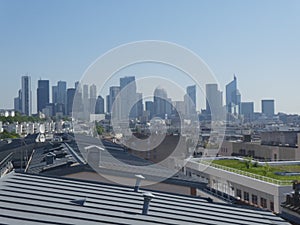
(267, 171)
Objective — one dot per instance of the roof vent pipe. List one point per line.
(139, 179)
(147, 198)
(79, 202)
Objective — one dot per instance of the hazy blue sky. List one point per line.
(258, 40)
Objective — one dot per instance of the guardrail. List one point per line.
(248, 174)
(6, 165)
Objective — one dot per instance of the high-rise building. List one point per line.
(77, 86)
(54, 94)
(85, 93)
(99, 109)
(247, 110)
(128, 97)
(268, 107)
(26, 96)
(61, 92)
(107, 104)
(214, 100)
(42, 94)
(149, 109)
(18, 102)
(86, 101)
(113, 93)
(233, 97)
(160, 100)
(139, 107)
(70, 98)
(93, 98)
(93, 91)
(190, 100)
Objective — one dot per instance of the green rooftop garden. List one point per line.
(263, 170)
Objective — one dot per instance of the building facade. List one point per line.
(268, 107)
(26, 96)
(42, 94)
(233, 97)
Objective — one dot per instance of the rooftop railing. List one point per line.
(248, 174)
(6, 164)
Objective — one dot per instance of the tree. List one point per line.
(248, 162)
(5, 134)
(266, 169)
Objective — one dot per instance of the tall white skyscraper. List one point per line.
(233, 97)
(26, 96)
(214, 100)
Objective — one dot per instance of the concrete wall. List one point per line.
(263, 152)
(276, 138)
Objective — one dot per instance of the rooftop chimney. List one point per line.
(50, 158)
(147, 198)
(139, 179)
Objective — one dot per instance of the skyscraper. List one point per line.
(62, 94)
(190, 100)
(18, 102)
(114, 109)
(247, 110)
(139, 106)
(214, 100)
(85, 92)
(128, 97)
(233, 97)
(149, 108)
(42, 94)
(54, 94)
(107, 104)
(26, 96)
(93, 91)
(93, 98)
(160, 99)
(268, 107)
(70, 98)
(99, 109)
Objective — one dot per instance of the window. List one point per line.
(254, 199)
(272, 206)
(246, 196)
(239, 193)
(263, 202)
(242, 152)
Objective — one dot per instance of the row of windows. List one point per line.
(254, 199)
(244, 152)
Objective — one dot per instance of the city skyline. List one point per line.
(86, 97)
(256, 40)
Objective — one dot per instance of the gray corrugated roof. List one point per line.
(36, 199)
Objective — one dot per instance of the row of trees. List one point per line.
(5, 134)
(20, 118)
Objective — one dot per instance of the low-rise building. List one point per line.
(291, 207)
(273, 146)
(230, 184)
